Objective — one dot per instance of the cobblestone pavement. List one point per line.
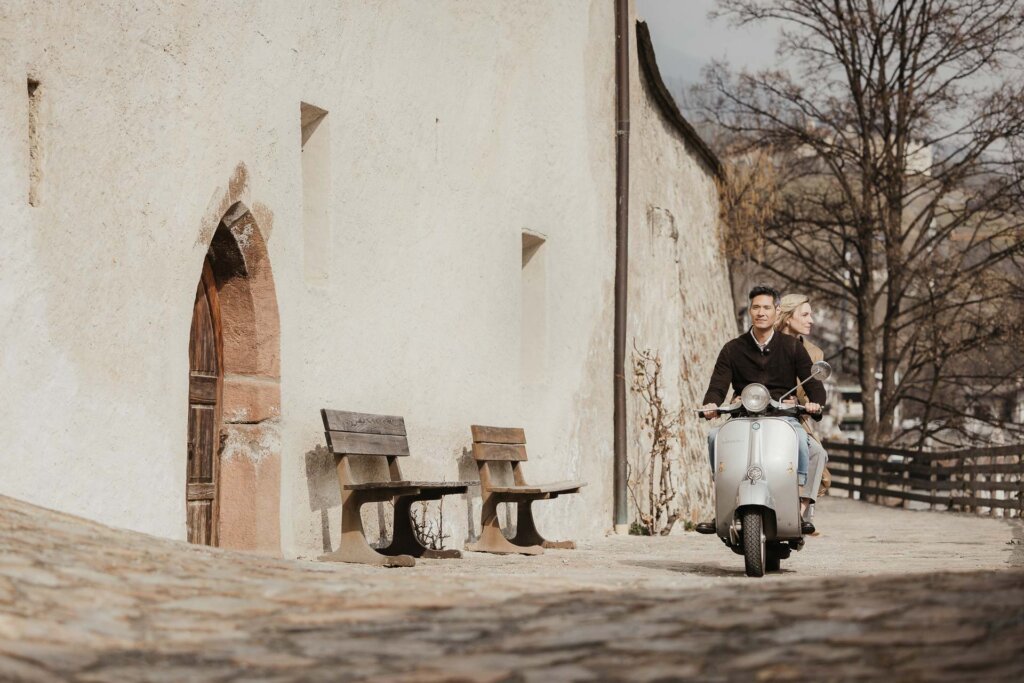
(880, 594)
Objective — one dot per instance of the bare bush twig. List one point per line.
(652, 486)
(429, 531)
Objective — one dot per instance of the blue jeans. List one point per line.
(801, 440)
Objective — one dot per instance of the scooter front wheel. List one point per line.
(753, 543)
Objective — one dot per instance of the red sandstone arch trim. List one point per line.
(250, 457)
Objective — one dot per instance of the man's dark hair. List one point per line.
(765, 290)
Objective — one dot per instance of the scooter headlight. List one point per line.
(755, 398)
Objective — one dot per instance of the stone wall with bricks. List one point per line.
(680, 301)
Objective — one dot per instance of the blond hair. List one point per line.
(788, 307)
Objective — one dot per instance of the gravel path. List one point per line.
(880, 593)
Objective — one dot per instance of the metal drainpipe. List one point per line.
(621, 254)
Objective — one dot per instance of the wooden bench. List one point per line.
(495, 447)
(359, 434)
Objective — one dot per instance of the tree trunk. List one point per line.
(893, 218)
(867, 362)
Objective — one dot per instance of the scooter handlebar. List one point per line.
(795, 409)
(721, 410)
(802, 410)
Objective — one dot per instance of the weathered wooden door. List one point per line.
(206, 370)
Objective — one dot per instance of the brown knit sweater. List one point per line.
(778, 367)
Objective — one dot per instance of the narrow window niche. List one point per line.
(316, 193)
(534, 327)
(35, 159)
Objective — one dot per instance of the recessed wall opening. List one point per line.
(35, 169)
(316, 192)
(534, 326)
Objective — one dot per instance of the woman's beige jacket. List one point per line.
(816, 354)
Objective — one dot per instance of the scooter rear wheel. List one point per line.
(753, 543)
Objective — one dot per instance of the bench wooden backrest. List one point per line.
(498, 443)
(493, 445)
(365, 434)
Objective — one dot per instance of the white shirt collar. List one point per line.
(759, 344)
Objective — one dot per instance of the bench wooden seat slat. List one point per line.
(512, 435)
(353, 443)
(364, 423)
(398, 485)
(499, 451)
(444, 484)
(557, 487)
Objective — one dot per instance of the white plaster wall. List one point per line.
(143, 118)
(495, 119)
(454, 126)
(680, 303)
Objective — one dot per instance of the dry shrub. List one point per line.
(651, 480)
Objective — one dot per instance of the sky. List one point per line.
(685, 40)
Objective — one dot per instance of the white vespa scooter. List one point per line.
(757, 501)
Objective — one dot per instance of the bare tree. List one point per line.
(887, 150)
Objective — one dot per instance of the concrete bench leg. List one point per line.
(353, 547)
(404, 541)
(492, 540)
(526, 530)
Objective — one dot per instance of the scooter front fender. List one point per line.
(754, 493)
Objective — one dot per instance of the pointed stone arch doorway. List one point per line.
(234, 460)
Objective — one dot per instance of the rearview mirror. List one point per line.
(821, 370)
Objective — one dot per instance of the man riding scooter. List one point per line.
(777, 361)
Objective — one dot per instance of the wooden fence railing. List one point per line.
(980, 480)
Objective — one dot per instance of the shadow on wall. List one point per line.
(325, 494)
(322, 485)
(468, 472)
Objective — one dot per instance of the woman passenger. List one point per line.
(796, 319)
